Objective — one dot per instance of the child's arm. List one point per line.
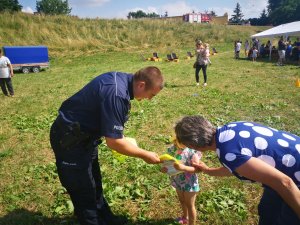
(184, 168)
(190, 169)
(220, 171)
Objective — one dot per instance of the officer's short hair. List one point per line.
(194, 131)
(151, 75)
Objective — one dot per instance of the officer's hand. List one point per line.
(151, 157)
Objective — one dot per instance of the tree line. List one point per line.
(277, 11)
(49, 7)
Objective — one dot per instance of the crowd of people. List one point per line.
(286, 51)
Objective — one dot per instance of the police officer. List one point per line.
(99, 109)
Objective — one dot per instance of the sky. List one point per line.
(110, 9)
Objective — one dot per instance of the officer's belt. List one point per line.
(71, 133)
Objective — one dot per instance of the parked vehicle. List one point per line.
(27, 58)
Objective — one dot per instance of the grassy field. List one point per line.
(237, 90)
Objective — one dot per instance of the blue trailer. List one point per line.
(27, 58)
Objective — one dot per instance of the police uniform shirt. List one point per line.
(102, 106)
(237, 142)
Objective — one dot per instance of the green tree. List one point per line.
(141, 14)
(273, 4)
(262, 21)
(10, 5)
(289, 8)
(238, 16)
(53, 7)
(153, 15)
(137, 14)
(264, 18)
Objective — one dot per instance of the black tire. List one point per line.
(25, 69)
(35, 69)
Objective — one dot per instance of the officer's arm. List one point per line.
(259, 171)
(126, 148)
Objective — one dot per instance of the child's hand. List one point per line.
(178, 166)
(200, 166)
(196, 158)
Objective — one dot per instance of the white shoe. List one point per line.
(197, 84)
(205, 84)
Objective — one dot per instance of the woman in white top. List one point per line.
(6, 73)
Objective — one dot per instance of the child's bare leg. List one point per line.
(190, 199)
(180, 195)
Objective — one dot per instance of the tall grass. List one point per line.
(61, 33)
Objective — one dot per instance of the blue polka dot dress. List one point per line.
(237, 142)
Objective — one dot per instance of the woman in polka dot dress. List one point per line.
(186, 183)
(254, 152)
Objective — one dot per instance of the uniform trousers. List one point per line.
(79, 172)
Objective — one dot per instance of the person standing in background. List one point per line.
(247, 48)
(6, 73)
(281, 52)
(238, 49)
(298, 48)
(201, 63)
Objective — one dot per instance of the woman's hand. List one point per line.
(200, 166)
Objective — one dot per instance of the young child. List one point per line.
(206, 46)
(186, 183)
(254, 54)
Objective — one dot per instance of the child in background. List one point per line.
(206, 46)
(254, 54)
(186, 183)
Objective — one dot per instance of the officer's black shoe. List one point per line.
(111, 219)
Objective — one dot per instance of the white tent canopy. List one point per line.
(288, 29)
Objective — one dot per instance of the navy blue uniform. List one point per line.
(99, 109)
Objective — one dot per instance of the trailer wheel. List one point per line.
(25, 69)
(35, 69)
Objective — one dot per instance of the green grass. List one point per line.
(237, 90)
(81, 49)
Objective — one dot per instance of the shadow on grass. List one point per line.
(25, 217)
